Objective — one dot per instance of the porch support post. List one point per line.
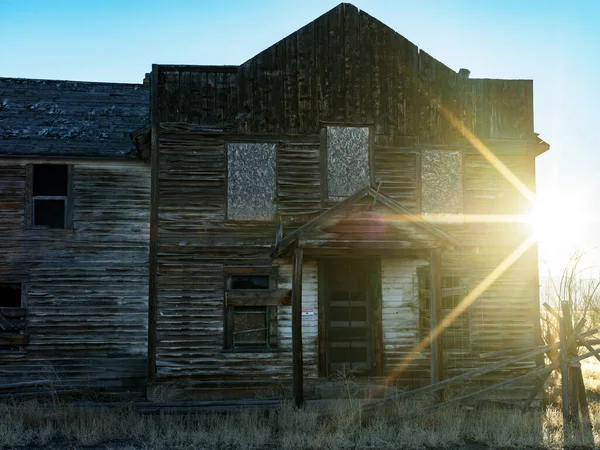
(297, 363)
(435, 309)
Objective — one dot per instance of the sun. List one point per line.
(560, 222)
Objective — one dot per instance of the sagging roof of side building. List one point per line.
(54, 118)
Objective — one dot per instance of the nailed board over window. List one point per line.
(347, 160)
(251, 181)
(441, 182)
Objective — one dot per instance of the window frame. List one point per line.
(30, 198)
(324, 155)
(15, 341)
(227, 214)
(231, 306)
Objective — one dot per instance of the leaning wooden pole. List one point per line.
(564, 373)
(297, 363)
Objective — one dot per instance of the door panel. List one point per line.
(348, 303)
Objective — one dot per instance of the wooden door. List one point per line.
(349, 299)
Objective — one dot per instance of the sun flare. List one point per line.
(559, 219)
(561, 222)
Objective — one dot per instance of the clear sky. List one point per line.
(555, 43)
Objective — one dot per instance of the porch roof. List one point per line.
(352, 222)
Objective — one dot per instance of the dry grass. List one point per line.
(33, 425)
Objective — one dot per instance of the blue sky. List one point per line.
(555, 43)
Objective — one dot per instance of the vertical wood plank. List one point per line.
(322, 292)
(70, 198)
(297, 364)
(435, 271)
(152, 288)
(28, 208)
(351, 64)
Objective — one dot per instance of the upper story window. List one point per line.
(345, 161)
(50, 189)
(441, 182)
(251, 181)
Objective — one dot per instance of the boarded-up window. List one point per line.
(251, 181)
(441, 182)
(347, 162)
(250, 320)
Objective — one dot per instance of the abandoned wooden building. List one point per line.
(319, 208)
(74, 227)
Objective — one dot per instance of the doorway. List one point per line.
(349, 303)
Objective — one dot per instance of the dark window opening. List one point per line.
(249, 281)
(10, 295)
(50, 179)
(12, 318)
(50, 213)
(49, 195)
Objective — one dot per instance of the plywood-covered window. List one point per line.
(345, 161)
(251, 182)
(441, 182)
(251, 301)
(13, 302)
(49, 192)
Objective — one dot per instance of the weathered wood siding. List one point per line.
(344, 69)
(195, 244)
(70, 118)
(400, 321)
(87, 287)
(347, 67)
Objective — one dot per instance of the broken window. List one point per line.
(250, 318)
(12, 317)
(251, 181)
(345, 161)
(50, 194)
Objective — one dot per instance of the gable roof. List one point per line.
(347, 66)
(70, 118)
(413, 224)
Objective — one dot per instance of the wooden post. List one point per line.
(572, 352)
(564, 374)
(435, 311)
(297, 363)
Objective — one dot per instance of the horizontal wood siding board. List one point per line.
(87, 287)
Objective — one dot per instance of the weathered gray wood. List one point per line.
(464, 377)
(537, 372)
(564, 373)
(435, 308)
(536, 390)
(297, 366)
(583, 405)
(154, 208)
(271, 297)
(23, 384)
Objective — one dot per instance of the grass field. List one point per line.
(30, 425)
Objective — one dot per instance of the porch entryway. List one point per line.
(349, 300)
